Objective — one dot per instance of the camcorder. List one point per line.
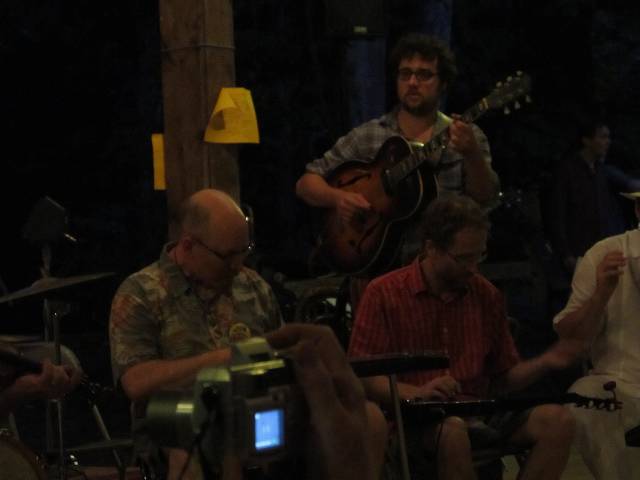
(250, 408)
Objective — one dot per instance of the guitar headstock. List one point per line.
(606, 404)
(510, 91)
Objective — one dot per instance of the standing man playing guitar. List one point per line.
(424, 68)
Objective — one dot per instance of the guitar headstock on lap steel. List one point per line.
(609, 404)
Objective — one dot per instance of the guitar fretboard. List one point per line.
(429, 150)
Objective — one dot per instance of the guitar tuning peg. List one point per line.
(509, 78)
(516, 105)
(519, 73)
(507, 111)
(527, 99)
(499, 84)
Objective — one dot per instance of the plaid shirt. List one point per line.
(363, 142)
(398, 313)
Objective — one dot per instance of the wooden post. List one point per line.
(197, 61)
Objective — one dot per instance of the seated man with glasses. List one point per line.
(424, 69)
(441, 302)
(181, 313)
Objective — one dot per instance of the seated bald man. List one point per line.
(181, 313)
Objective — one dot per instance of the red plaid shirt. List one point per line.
(397, 313)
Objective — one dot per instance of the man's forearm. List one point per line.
(586, 322)
(520, 376)
(315, 191)
(147, 378)
(481, 182)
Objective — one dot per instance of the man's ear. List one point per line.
(428, 248)
(187, 243)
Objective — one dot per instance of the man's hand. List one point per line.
(54, 381)
(462, 139)
(608, 274)
(441, 388)
(350, 204)
(336, 401)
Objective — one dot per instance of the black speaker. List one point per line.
(355, 18)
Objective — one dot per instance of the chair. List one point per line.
(327, 305)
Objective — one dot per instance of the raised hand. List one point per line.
(336, 400)
(608, 273)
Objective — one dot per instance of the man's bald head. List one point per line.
(214, 239)
(209, 210)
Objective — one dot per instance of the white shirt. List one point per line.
(616, 349)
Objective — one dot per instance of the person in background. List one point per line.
(583, 209)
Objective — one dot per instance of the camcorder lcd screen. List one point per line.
(269, 429)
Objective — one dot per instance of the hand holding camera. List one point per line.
(267, 405)
(339, 440)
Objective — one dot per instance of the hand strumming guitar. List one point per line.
(350, 204)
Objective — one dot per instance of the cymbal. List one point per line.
(18, 338)
(50, 286)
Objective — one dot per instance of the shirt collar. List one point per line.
(177, 281)
(415, 278)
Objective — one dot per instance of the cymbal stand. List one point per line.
(51, 316)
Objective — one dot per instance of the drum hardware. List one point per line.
(47, 224)
(17, 461)
(12, 339)
(24, 360)
(53, 287)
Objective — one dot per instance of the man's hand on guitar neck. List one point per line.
(462, 139)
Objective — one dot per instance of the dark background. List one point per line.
(81, 95)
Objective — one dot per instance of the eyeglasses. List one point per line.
(422, 74)
(468, 260)
(250, 247)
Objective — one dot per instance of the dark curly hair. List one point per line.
(446, 216)
(428, 47)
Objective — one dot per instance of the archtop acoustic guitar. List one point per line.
(397, 183)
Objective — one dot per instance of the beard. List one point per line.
(420, 109)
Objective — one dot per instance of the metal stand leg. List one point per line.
(105, 434)
(52, 322)
(395, 396)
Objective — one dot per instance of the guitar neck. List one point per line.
(437, 143)
(425, 409)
